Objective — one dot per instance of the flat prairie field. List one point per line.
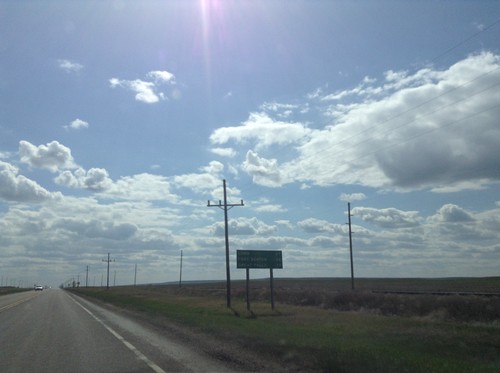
(322, 325)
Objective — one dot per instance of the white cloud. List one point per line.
(96, 228)
(142, 187)
(77, 124)
(146, 91)
(270, 208)
(451, 213)
(352, 197)
(313, 225)
(18, 188)
(69, 66)
(5, 155)
(95, 179)
(244, 226)
(263, 130)
(285, 223)
(224, 152)
(282, 110)
(208, 181)
(431, 129)
(263, 171)
(388, 217)
(162, 76)
(53, 156)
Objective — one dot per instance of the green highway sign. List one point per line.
(259, 259)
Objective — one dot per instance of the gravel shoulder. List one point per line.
(229, 351)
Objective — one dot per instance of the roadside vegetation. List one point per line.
(321, 325)
(4, 290)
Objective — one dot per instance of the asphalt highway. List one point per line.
(55, 331)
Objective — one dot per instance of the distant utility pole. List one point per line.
(350, 244)
(180, 273)
(87, 278)
(135, 275)
(108, 261)
(226, 206)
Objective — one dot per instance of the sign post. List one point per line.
(259, 259)
(248, 289)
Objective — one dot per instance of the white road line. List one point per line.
(129, 345)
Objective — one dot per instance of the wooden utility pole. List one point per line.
(226, 206)
(350, 244)
(108, 261)
(180, 272)
(135, 275)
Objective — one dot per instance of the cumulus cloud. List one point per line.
(451, 213)
(144, 91)
(207, 181)
(244, 226)
(95, 179)
(161, 76)
(263, 130)
(435, 129)
(77, 124)
(263, 171)
(313, 225)
(97, 228)
(141, 187)
(18, 188)
(147, 91)
(388, 218)
(69, 66)
(52, 156)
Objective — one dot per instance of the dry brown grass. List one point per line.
(335, 294)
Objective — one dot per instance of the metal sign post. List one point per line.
(259, 259)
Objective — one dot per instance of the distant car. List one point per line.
(38, 287)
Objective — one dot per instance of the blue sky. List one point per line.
(120, 119)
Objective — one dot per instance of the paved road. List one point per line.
(54, 331)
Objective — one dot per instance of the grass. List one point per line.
(317, 338)
(10, 289)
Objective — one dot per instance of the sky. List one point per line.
(119, 121)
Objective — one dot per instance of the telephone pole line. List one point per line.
(350, 243)
(108, 261)
(87, 278)
(226, 206)
(180, 272)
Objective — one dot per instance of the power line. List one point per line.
(251, 183)
(466, 40)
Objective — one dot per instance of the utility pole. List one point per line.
(226, 206)
(180, 273)
(87, 278)
(135, 275)
(108, 261)
(350, 243)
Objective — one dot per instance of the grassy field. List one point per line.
(319, 325)
(11, 289)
